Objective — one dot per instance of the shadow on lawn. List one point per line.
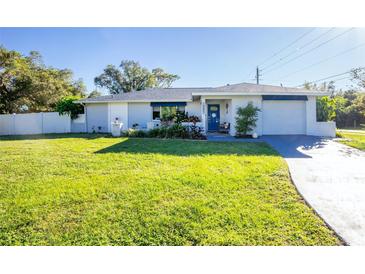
(188, 147)
(54, 136)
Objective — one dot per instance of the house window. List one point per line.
(156, 113)
(165, 111)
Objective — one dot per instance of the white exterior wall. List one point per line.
(242, 101)
(120, 111)
(139, 113)
(34, 123)
(97, 117)
(326, 129)
(193, 108)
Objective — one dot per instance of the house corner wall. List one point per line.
(97, 117)
(311, 115)
(314, 128)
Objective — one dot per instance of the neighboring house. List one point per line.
(283, 110)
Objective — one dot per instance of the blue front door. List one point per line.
(213, 117)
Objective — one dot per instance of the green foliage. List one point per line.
(26, 84)
(192, 119)
(67, 106)
(195, 132)
(326, 109)
(246, 118)
(180, 117)
(132, 77)
(353, 139)
(80, 189)
(94, 94)
(174, 131)
(350, 109)
(358, 76)
(168, 114)
(154, 133)
(347, 108)
(137, 133)
(177, 131)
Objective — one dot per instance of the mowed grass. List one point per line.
(353, 139)
(94, 190)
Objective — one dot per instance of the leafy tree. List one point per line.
(94, 94)
(326, 109)
(347, 108)
(246, 118)
(358, 77)
(26, 84)
(68, 106)
(132, 77)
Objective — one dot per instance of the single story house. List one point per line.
(283, 110)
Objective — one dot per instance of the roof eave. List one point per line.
(133, 101)
(260, 93)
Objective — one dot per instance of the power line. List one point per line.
(310, 50)
(322, 61)
(289, 45)
(300, 48)
(329, 77)
(340, 79)
(292, 43)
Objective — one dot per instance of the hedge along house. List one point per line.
(283, 110)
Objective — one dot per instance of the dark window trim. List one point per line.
(284, 98)
(168, 104)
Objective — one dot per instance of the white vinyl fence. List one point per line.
(38, 123)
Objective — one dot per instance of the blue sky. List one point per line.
(200, 56)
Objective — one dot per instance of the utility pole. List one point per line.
(257, 75)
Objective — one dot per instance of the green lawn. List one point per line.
(92, 190)
(353, 139)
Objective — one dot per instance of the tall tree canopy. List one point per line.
(26, 84)
(130, 76)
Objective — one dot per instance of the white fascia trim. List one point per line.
(260, 93)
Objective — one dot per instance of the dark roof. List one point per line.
(249, 88)
(186, 94)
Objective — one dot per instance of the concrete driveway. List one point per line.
(331, 178)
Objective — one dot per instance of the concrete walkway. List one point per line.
(331, 178)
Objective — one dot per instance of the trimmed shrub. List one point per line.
(134, 133)
(154, 133)
(176, 131)
(246, 118)
(195, 132)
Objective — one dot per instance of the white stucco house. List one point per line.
(283, 110)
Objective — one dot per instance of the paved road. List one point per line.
(331, 177)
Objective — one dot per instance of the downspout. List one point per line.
(85, 111)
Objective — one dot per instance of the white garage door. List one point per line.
(284, 117)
